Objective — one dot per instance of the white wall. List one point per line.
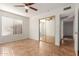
(25, 28)
(34, 28)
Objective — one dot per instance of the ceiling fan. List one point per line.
(27, 6)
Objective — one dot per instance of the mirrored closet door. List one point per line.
(47, 30)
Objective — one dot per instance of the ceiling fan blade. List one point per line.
(28, 4)
(33, 8)
(19, 5)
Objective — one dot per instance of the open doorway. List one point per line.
(47, 29)
(67, 25)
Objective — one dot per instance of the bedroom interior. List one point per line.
(31, 29)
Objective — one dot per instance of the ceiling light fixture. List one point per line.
(26, 7)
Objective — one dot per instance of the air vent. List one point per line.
(67, 8)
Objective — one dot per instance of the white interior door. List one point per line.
(75, 34)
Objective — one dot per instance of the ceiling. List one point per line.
(42, 7)
(68, 17)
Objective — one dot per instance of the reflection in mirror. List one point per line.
(42, 29)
